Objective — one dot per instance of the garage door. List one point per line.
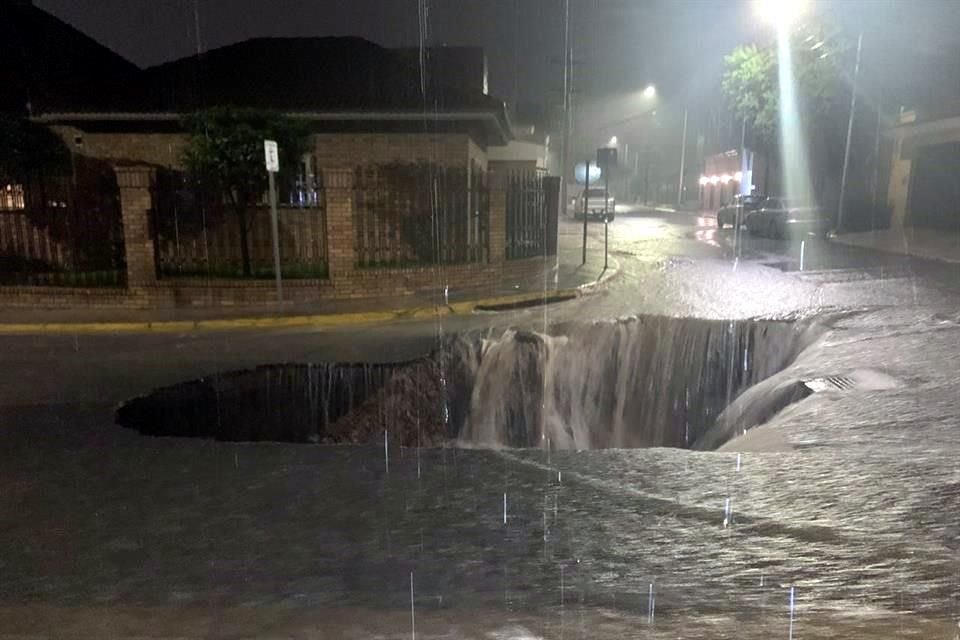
(935, 188)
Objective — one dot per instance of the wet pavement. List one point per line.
(848, 498)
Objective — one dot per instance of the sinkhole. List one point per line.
(642, 381)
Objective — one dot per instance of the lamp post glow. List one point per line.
(650, 91)
(780, 13)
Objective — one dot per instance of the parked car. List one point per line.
(595, 205)
(783, 218)
(727, 214)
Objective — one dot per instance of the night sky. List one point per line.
(619, 45)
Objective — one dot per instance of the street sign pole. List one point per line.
(606, 210)
(273, 166)
(586, 198)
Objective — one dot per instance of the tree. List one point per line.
(29, 151)
(752, 88)
(225, 153)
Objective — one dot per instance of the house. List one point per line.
(363, 101)
(393, 183)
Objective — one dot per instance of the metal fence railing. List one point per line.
(530, 214)
(419, 214)
(198, 235)
(63, 231)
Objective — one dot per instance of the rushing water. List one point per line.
(635, 382)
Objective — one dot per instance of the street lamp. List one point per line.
(650, 91)
(780, 13)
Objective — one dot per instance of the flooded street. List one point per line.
(845, 496)
(480, 320)
(522, 543)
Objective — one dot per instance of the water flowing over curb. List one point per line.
(642, 381)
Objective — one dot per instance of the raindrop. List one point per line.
(544, 521)
(413, 618)
(651, 602)
(792, 602)
(386, 452)
(727, 514)
(738, 462)
(561, 585)
(803, 246)
(504, 508)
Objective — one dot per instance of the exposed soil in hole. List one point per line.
(636, 382)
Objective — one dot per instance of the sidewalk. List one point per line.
(550, 285)
(932, 244)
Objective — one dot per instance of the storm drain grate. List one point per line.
(831, 383)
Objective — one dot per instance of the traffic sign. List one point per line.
(271, 156)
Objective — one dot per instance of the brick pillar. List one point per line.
(136, 183)
(498, 216)
(341, 237)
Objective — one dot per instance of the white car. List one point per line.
(595, 205)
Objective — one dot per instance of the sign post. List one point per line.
(606, 158)
(586, 212)
(272, 159)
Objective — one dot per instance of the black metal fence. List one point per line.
(417, 214)
(64, 230)
(531, 214)
(198, 235)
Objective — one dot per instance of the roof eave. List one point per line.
(495, 123)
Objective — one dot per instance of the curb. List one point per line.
(612, 272)
(325, 321)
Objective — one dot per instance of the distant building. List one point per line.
(726, 174)
(924, 185)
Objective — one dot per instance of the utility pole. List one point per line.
(683, 158)
(565, 140)
(846, 150)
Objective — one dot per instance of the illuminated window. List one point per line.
(11, 198)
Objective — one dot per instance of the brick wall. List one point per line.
(346, 150)
(476, 154)
(162, 149)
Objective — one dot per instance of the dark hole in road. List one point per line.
(636, 382)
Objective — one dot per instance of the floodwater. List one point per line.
(507, 543)
(855, 519)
